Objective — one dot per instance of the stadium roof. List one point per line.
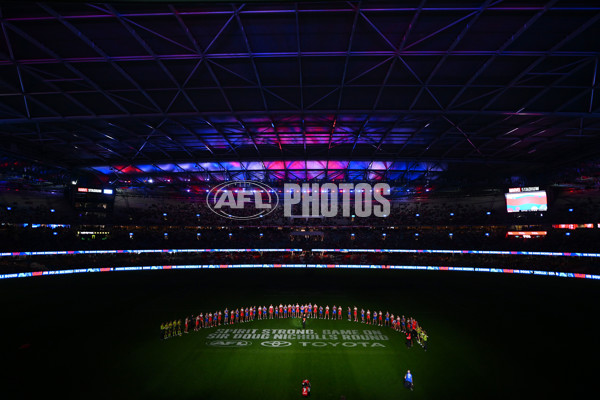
(322, 86)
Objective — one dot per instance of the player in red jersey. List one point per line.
(271, 311)
(326, 312)
(305, 388)
(368, 317)
(355, 314)
(197, 323)
(315, 311)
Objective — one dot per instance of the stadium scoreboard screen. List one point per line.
(88, 200)
(526, 199)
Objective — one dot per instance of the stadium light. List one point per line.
(452, 214)
(52, 210)
(164, 214)
(570, 210)
(450, 234)
(488, 213)
(417, 234)
(9, 208)
(487, 234)
(417, 215)
(568, 233)
(55, 233)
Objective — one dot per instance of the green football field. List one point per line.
(96, 336)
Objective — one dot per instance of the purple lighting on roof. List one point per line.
(296, 170)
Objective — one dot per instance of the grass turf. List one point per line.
(491, 336)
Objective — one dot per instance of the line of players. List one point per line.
(408, 326)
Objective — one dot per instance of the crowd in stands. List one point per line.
(52, 223)
(484, 210)
(12, 264)
(19, 238)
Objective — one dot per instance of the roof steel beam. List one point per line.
(306, 54)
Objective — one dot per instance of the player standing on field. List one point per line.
(408, 380)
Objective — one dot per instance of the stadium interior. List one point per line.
(117, 120)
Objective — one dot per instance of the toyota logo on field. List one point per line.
(229, 343)
(242, 200)
(276, 343)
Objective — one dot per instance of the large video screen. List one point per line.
(526, 201)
